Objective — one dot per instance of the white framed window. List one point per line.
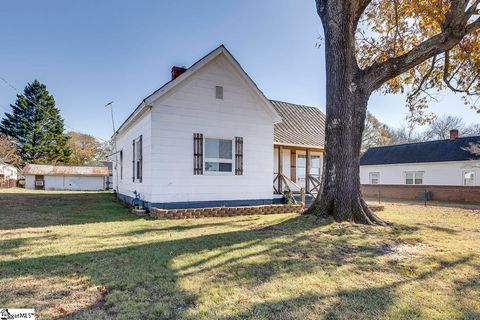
(301, 168)
(469, 178)
(315, 165)
(374, 177)
(218, 156)
(137, 159)
(414, 177)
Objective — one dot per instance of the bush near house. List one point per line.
(83, 256)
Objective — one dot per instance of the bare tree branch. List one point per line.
(359, 8)
(447, 78)
(378, 73)
(397, 27)
(321, 7)
(425, 77)
(473, 9)
(475, 25)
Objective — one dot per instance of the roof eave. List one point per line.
(298, 145)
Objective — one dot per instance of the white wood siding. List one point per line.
(124, 142)
(85, 183)
(192, 108)
(8, 171)
(29, 182)
(439, 173)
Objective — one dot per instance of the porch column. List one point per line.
(307, 172)
(293, 165)
(280, 168)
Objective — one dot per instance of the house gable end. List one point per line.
(171, 85)
(221, 59)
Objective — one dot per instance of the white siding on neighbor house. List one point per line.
(8, 171)
(192, 107)
(124, 140)
(55, 182)
(435, 173)
(29, 182)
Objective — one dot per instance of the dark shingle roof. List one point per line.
(300, 125)
(431, 151)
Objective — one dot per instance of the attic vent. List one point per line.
(219, 92)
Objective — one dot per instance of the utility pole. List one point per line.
(110, 104)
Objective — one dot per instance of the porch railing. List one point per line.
(314, 184)
(286, 185)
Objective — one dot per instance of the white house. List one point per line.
(8, 172)
(209, 137)
(48, 177)
(433, 163)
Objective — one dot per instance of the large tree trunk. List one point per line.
(347, 98)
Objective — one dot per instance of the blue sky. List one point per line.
(91, 52)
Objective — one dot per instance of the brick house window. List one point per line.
(374, 177)
(414, 177)
(469, 178)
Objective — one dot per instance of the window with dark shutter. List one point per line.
(140, 159)
(133, 161)
(197, 153)
(121, 164)
(238, 156)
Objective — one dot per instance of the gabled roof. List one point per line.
(301, 125)
(221, 50)
(41, 169)
(430, 151)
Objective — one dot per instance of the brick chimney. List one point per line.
(453, 134)
(176, 71)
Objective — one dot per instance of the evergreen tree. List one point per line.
(36, 126)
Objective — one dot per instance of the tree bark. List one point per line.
(348, 91)
(346, 106)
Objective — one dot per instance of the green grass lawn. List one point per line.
(82, 256)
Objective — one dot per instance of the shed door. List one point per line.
(72, 183)
(39, 182)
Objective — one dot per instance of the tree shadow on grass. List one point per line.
(176, 228)
(440, 228)
(362, 303)
(147, 281)
(12, 246)
(19, 210)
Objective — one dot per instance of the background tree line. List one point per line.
(34, 132)
(378, 134)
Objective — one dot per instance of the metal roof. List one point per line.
(420, 152)
(300, 126)
(41, 169)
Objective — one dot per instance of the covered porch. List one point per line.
(298, 150)
(297, 169)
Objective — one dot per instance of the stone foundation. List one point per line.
(225, 211)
